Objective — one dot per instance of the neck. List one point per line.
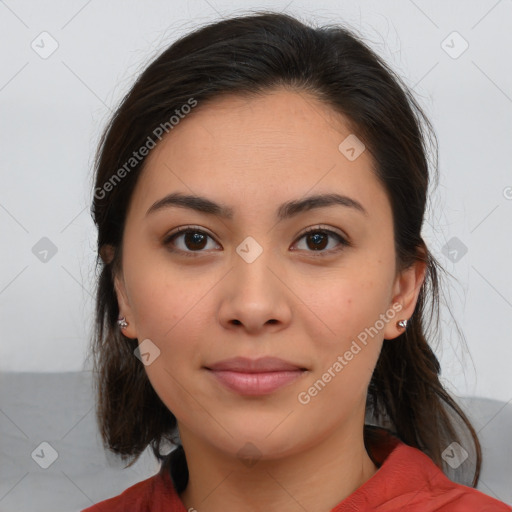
(316, 479)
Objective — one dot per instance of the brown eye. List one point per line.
(194, 240)
(188, 240)
(317, 240)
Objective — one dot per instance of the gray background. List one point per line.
(53, 108)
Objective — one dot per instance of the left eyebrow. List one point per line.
(285, 211)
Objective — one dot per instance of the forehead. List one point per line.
(260, 149)
(280, 124)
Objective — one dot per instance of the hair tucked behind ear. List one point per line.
(406, 395)
(252, 55)
(131, 416)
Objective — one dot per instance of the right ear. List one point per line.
(107, 253)
(125, 309)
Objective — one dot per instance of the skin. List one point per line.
(253, 154)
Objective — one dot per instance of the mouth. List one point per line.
(253, 377)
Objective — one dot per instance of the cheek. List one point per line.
(166, 312)
(167, 300)
(175, 323)
(346, 308)
(348, 339)
(347, 356)
(178, 338)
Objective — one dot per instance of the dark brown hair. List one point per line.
(253, 54)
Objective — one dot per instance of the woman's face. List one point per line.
(252, 284)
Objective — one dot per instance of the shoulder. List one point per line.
(467, 499)
(429, 489)
(155, 494)
(407, 479)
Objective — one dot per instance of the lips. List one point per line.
(255, 376)
(264, 364)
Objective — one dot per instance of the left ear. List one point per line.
(405, 292)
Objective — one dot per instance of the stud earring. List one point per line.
(122, 323)
(402, 324)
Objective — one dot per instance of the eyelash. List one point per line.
(315, 229)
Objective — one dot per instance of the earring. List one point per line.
(122, 323)
(401, 324)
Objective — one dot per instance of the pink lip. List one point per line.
(255, 376)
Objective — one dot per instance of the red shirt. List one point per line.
(406, 479)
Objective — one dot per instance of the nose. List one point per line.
(254, 296)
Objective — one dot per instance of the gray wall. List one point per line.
(53, 108)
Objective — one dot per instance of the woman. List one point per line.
(259, 197)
